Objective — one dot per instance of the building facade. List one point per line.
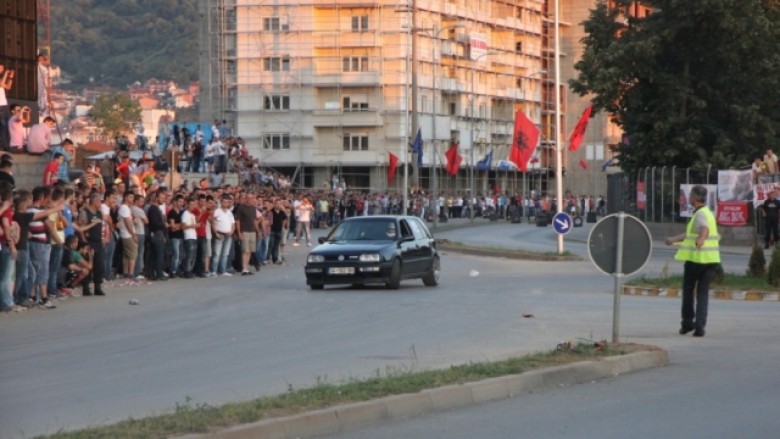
(323, 87)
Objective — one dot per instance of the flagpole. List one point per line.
(558, 152)
(408, 131)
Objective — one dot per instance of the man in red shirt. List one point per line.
(52, 169)
(124, 170)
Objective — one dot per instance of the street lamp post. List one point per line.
(407, 128)
(473, 195)
(558, 152)
(434, 183)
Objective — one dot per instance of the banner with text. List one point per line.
(735, 191)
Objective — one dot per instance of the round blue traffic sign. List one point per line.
(562, 223)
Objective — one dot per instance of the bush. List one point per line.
(773, 274)
(757, 263)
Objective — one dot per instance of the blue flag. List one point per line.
(417, 147)
(486, 163)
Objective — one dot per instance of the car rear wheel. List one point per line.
(317, 286)
(395, 276)
(431, 279)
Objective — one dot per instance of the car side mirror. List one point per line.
(322, 239)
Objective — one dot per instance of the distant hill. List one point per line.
(118, 42)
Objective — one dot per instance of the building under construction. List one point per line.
(323, 87)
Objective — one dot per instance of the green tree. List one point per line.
(115, 113)
(693, 83)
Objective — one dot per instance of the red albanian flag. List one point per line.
(524, 141)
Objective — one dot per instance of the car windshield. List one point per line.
(375, 230)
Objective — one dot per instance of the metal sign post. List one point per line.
(606, 243)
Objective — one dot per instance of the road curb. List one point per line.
(747, 295)
(352, 416)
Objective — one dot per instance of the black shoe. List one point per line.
(685, 330)
(698, 333)
(99, 292)
(86, 292)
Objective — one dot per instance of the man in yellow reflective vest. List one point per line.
(699, 250)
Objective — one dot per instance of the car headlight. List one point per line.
(315, 259)
(370, 257)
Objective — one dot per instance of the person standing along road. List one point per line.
(303, 214)
(278, 220)
(770, 210)
(699, 250)
(158, 237)
(224, 228)
(91, 220)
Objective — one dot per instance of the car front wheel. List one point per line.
(395, 276)
(431, 278)
(317, 286)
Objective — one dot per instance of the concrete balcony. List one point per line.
(449, 85)
(346, 79)
(331, 118)
(332, 4)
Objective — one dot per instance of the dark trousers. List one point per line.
(157, 256)
(273, 244)
(98, 263)
(770, 231)
(5, 136)
(696, 278)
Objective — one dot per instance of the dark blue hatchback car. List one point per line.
(374, 249)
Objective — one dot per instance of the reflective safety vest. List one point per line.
(709, 252)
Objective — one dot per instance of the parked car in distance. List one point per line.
(374, 249)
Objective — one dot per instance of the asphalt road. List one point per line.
(721, 386)
(100, 360)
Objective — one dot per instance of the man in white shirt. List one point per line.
(128, 236)
(44, 85)
(215, 131)
(189, 223)
(6, 80)
(224, 227)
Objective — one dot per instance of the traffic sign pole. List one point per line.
(606, 244)
(618, 275)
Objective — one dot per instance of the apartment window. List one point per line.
(453, 109)
(276, 102)
(519, 47)
(276, 64)
(355, 103)
(424, 104)
(276, 141)
(355, 142)
(360, 23)
(519, 13)
(275, 24)
(355, 64)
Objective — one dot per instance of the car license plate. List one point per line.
(341, 270)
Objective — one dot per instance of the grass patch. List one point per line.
(202, 418)
(730, 282)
